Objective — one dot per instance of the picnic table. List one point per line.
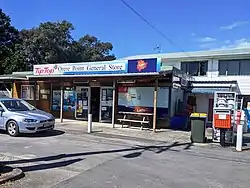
(136, 117)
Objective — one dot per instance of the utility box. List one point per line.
(198, 127)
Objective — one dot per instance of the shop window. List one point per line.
(141, 99)
(28, 92)
(234, 67)
(195, 68)
(68, 99)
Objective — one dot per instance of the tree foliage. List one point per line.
(8, 38)
(51, 42)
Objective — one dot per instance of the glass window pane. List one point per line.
(245, 67)
(233, 67)
(184, 66)
(203, 68)
(222, 67)
(193, 68)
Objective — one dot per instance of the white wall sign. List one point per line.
(81, 68)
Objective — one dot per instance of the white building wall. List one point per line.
(213, 74)
(174, 63)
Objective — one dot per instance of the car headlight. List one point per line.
(30, 120)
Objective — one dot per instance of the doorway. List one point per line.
(95, 103)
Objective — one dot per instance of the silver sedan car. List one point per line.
(17, 116)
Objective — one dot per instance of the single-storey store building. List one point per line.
(108, 90)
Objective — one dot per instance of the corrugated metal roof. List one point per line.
(194, 54)
(214, 82)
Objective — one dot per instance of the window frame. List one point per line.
(34, 90)
(186, 64)
(227, 63)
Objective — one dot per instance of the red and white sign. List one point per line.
(78, 68)
(49, 69)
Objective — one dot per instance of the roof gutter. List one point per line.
(12, 78)
(94, 75)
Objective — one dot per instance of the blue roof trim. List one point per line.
(209, 90)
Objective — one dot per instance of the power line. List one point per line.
(151, 25)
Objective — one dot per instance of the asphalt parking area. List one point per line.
(64, 159)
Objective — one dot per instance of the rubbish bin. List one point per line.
(198, 127)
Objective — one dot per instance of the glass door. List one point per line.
(82, 102)
(106, 104)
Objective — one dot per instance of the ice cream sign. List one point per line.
(81, 68)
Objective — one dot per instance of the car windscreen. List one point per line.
(16, 105)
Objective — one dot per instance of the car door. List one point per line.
(1, 117)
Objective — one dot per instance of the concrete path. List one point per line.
(165, 135)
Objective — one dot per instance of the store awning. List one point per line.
(209, 88)
(12, 77)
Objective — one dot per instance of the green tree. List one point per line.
(8, 38)
(52, 42)
(93, 49)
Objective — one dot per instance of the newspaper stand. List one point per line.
(226, 112)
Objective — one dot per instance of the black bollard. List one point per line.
(223, 137)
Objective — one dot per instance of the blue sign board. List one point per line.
(144, 65)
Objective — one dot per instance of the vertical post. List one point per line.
(223, 137)
(89, 123)
(51, 96)
(113, 108)
(35, 92)
(61, 106)
(239, 137)
(155, 105)
(12, 89)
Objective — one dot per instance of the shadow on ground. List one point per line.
(138, 150)
(49, 133)
(135, 152)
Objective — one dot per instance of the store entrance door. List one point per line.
(106, 104)
(83, 96)
(95, 103)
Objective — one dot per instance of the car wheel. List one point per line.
(12, 128)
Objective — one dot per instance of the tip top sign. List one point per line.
(80, 68)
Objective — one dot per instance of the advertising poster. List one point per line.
(82, 103)
(56, 97)
(69, 100)
(141, 99)
(106, 104)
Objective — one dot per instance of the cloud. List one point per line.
(207, 39)
(239, 44)
(234, 25)
(207, 45)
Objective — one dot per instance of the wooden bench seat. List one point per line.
(131, 120)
